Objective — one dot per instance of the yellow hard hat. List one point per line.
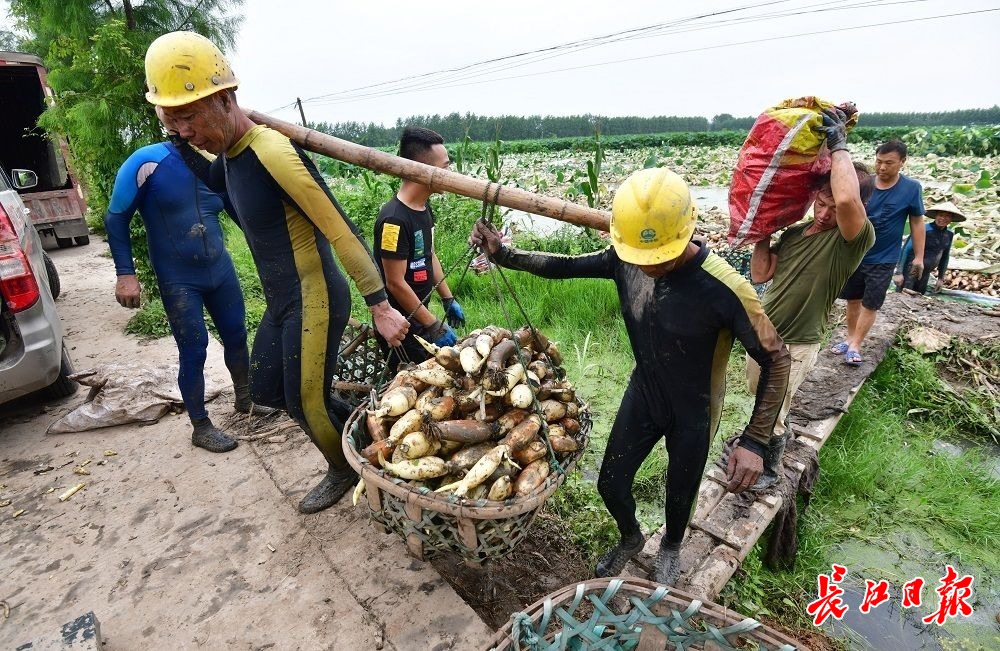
(652, 217)
(182, 67)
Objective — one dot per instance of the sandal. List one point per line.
(839, 349)
(853, 358)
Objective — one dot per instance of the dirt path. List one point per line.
(169, 544)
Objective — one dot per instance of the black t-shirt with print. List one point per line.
(402, 233)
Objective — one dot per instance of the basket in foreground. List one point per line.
(629, 613)
(432, 524)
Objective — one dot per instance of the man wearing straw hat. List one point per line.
(683, 308)
(290, 220)
(937, 248)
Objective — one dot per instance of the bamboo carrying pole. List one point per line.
(435, 178)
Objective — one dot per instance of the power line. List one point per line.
(440, 83)
(653, 56)
(633, 34)
(469, 71)
(551, 48)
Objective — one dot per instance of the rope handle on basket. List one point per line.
(488, 214)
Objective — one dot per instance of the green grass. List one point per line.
(883, 486)
(583, 315)
(880, 476)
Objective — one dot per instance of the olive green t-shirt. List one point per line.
(811, 272)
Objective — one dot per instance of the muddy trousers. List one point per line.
(293, 360)
(218, 291)
(632, 438)
(803, 361)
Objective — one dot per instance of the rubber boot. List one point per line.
(772, 462)
(614, 560)
(667, 567)
(244, 404)
(329, 490)
(208, 436)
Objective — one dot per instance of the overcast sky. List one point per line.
(738, 62)
(322, 48)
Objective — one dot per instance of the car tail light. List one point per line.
(17, 282)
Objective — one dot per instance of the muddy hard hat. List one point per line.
(948, 207)
(183, 67)
(652, 217)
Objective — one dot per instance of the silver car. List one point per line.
(32, 354)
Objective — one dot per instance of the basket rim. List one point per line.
(429, 500)
(675, 597)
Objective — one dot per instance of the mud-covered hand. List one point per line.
(441, 334)
(939, 285)
(744, 468)
(898, 279)
(127, 291)
(486, 237)
(835, 127)
(916, 269)
(389, 322)
(453, 313)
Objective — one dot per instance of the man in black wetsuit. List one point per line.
(682, 306)
(290, 220)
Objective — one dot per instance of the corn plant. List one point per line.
(463, 154)
(590, 187)
(494, 161)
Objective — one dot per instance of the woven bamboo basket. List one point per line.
(360, 364)
(432, 524)
(628, 613)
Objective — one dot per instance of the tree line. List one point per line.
(454, 127)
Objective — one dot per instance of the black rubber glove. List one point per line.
(835, 126)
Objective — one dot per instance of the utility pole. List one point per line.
(298, 100)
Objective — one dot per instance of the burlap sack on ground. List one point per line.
(126, 393)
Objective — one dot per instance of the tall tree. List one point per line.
(94, 51)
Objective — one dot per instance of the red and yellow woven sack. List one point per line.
(774, 181)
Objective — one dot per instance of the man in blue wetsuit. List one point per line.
(193, 271)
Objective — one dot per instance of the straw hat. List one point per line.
(948, 207)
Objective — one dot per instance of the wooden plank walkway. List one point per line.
(725, 527)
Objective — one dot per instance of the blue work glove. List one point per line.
(447, 336)
(453, 313)
(440, 333)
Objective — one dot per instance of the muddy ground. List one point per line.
(545, 561)
(171, 546)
